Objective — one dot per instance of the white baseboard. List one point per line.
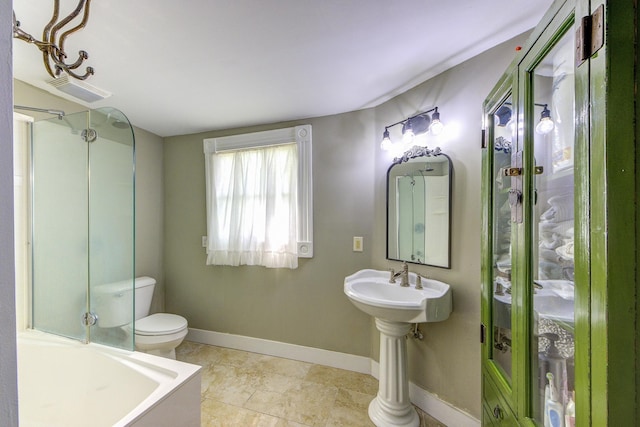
(428, 402)
(289, 351)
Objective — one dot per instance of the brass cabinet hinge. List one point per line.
(483, 333)
(590, 35)
(483, 141)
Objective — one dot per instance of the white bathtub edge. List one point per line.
(179, 408)
(146, 413)
(423, 399)
(176, 399)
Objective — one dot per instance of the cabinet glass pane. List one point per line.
(553, 236)
(503, 133)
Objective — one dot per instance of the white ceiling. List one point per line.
(180, 67)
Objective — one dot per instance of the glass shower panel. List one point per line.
(59, 226)
(552, 284)
(83, 225)
(111, 222)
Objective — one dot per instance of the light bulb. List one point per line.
(408, 136)
(386, 141)
(407, 133)
(436, 125)
(545, 125)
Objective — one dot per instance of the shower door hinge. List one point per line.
(89, 135)
(89, 319)
(590, 35)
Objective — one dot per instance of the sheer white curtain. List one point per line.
(253, 207)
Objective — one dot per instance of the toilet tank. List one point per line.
(113, 302)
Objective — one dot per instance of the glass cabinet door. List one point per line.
(503, 144)
(550, 291)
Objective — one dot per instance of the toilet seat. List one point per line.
(160, 324)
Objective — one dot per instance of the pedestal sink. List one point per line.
(395, 308)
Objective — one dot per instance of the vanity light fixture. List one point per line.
(415, 125)
(52, 43)
(546, 124)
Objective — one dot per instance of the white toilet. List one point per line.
(158, 334)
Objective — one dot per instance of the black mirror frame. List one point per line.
(416, 152)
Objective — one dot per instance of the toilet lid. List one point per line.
(160, 324)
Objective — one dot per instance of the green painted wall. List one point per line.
(305, 306)
(447, 361)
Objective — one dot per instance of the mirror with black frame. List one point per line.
(419, 208)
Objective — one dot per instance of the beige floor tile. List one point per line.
(353, 400)
(248, 389)
(286, 423)
(427, 421)
(268, 402)
(281, 366)
(341, 378)
(350, 410)
(275, 382)
(228, 384)
(229, 356)
(306, 403)
(216, 413)
(198, 354)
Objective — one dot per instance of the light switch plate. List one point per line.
(357, 244)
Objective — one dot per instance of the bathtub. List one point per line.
(65, 383)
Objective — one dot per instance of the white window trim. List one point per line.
(302, 137)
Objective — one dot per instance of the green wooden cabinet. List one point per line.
(561, 225)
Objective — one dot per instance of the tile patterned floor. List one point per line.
(249, 389)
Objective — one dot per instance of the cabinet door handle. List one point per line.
(497, 412)
(512, 171)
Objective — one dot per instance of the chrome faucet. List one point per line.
(404, 275)
(419, 282)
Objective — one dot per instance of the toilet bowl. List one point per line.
(160, 334)
(157, 334)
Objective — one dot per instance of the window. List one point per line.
(259, 202)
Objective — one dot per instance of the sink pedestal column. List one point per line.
(392, 406)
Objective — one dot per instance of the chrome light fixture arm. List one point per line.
(415, 125)
(53, 53)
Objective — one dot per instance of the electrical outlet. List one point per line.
(204, 241)
(357, 244)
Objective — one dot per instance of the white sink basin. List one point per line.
(371, 292)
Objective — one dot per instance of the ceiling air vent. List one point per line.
(78, 89)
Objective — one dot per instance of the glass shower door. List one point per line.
(82, 222)
(111, 222)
